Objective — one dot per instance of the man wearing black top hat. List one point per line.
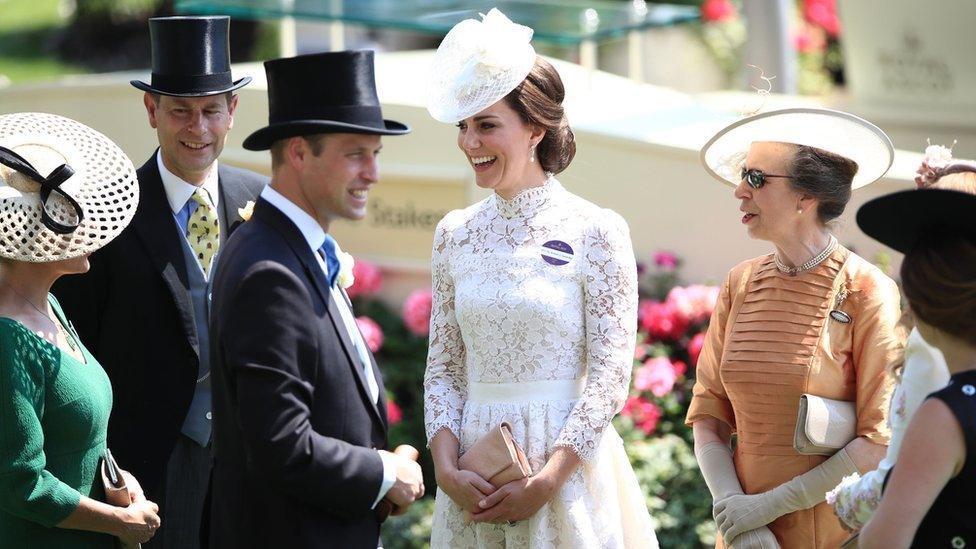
(300, 423)
(143, 307)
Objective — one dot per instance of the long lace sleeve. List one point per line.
(610, 313)
(445, 380)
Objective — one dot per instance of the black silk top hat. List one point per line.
(898, 220)
(190, 57)
(331, 92)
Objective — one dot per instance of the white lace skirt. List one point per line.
(600, 506)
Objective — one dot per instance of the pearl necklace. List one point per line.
(816, 260)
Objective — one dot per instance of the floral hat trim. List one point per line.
(937, 163)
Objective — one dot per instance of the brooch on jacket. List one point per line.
(836, 313)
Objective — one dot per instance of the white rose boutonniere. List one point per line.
(246, 211)
(346, 263)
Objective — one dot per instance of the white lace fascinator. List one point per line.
(834, 131)
(478, 64)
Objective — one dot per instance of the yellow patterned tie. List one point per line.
(203, 230)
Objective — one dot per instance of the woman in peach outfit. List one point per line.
(811, 317)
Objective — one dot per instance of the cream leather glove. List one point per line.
(740, 513)
(760, 538)
(715, 462)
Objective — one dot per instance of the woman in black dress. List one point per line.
(930, 498)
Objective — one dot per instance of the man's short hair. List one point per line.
(316, 142)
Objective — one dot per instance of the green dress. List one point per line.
(53, 421)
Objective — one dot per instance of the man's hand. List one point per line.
(409, 485)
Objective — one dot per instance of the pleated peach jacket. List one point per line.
(772, 338)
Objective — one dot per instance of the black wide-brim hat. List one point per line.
(900, 219)
(331, 92)
(190, 57)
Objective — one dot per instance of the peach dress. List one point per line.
(772, 339)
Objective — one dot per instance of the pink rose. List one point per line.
(372, 333)
(695, 347)
(823, 13)
(640, 352)
(809, 40)
(680, 368)
(660, 320)
(416, 312)
(666, 260)
(693, 303)
(643, 412)
(657, 375)
(393, 412)
(713, 11)
(367, 279)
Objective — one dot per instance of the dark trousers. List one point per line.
(182, 502)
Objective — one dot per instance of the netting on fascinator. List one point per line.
(477, 64)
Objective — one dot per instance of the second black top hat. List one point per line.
(190, 57)
(332, 92)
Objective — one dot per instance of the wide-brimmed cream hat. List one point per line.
(477, 64)
(837, 132)
(65, 189)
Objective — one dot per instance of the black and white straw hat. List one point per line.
(65, 189)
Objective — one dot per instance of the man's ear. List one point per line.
(151, 107)
(231, 107)
(297, 152)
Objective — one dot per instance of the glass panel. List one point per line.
(566, 22)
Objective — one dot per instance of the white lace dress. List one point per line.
(533, 323)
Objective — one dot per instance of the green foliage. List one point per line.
(116, 9)
(411, 530)
(27, 28)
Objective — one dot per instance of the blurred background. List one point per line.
(647, 84)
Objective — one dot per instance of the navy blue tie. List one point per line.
(328, 250)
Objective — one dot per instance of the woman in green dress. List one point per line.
(65, 191)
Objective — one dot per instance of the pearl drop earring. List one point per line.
(532, 154)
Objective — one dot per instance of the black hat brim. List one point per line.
(201, 93)
(262, 139)
(899, 219)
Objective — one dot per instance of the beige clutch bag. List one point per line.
(496, 457)
(823, 425)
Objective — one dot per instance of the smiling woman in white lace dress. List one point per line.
(534, 315)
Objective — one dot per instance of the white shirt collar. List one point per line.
(307, 225)
(179, 191)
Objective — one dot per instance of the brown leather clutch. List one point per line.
(496, 457)
(116, 492)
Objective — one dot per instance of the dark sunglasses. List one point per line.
(756, 178)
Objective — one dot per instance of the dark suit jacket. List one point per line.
(133, 311)
(294, 427)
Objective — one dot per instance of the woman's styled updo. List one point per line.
(939, 280)
(539, 101)
(826, 177)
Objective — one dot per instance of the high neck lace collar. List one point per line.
(527, 201)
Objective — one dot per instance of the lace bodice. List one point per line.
(540, 287)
